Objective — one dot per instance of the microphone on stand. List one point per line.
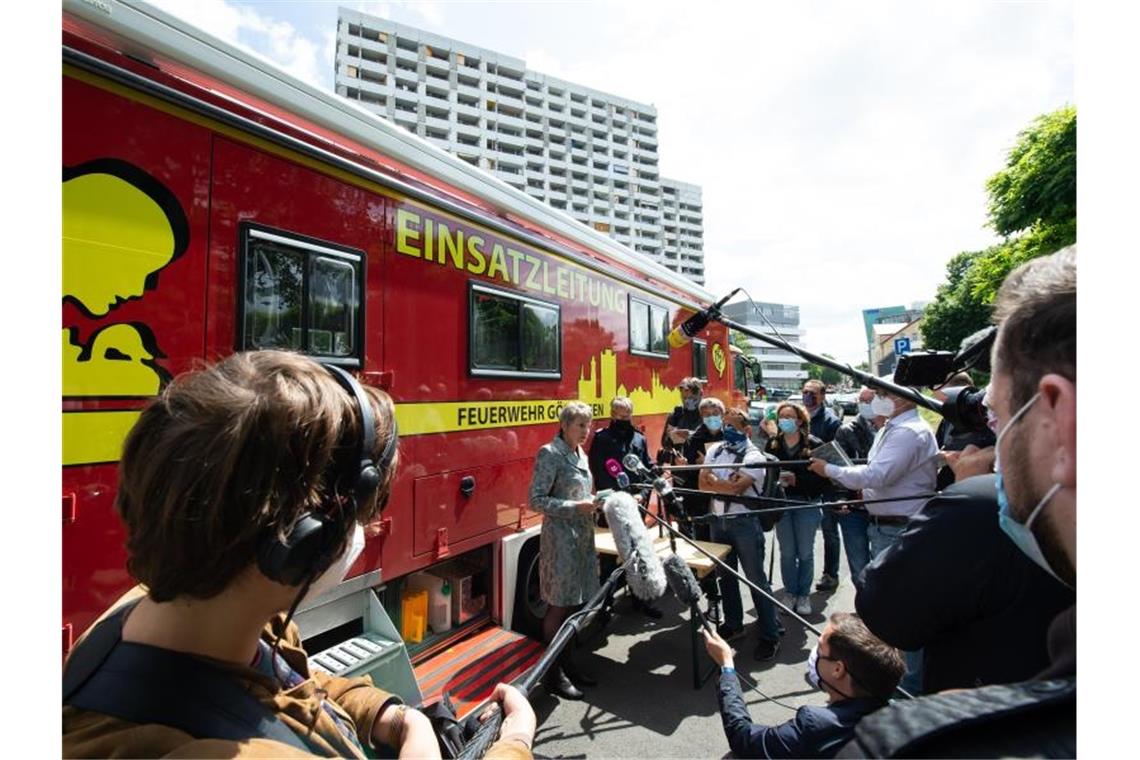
(644, 572)
(684, 586)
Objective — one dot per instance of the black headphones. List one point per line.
(308, 549)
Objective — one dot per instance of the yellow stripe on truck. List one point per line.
(93, 437)
(459, 416)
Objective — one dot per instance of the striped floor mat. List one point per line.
(469, 670)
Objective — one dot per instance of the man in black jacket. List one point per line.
(824, 425)
(613, 443)
(856, 671)
(1033, 395)
(984, 606)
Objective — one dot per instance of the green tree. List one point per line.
(740, 340)
(1033, 205)
(955, 312)
(825, 375)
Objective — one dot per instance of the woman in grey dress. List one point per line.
(560, 489)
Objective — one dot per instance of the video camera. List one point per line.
(932, 369)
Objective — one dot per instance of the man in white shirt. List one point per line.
(743, 534)
(903, 460)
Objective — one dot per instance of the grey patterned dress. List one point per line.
(568, 562)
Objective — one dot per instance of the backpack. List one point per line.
(768, 515)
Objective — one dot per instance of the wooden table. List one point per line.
(697, 562)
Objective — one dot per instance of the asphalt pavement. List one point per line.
(645, 705)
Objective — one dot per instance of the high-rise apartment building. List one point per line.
(683, 227)
(780, 368)
(589, 153)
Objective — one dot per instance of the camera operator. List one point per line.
(951, 439)
(1033, 394)
(856, 671)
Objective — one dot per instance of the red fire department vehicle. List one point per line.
(212, 203)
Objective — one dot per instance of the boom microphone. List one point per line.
(644, 572)
(681, 580)
(684, 586)
(687, 330)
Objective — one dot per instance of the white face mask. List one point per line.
(883, 406)
(866, 411)
(339, 568)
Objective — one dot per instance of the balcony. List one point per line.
(407, 56)
(436, 122)
(507, 120)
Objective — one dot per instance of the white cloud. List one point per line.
(842, 148)
(279, 41)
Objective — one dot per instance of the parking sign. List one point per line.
(902, 346)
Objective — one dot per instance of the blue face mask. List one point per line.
(713, 422)
(788, 426)
(691, 403)
(1021, 534)
(734, 439)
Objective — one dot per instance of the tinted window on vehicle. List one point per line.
(301, 295)
(700, 359)
(648, 328)
(512, 336)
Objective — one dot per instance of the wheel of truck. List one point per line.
(529, 606)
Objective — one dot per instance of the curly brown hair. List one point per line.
(231, 453)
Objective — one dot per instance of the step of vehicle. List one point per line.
(469, 670)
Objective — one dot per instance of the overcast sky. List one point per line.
(842, 147)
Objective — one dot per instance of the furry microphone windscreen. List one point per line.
(644, 572)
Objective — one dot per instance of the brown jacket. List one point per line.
(91, 734)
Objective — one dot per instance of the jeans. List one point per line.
(796, 533)
(829, 526)
(881, 537)
(746, 538)
(855, 542)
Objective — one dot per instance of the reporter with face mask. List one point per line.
(741, 530)
(683, 420)
(854, 669)
(710, 431)
(234, 513)
(796, 528)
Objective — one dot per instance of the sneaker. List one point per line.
(827, 583)
(766, 650)
(802, 606)
(785, 599)
(729, 632)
